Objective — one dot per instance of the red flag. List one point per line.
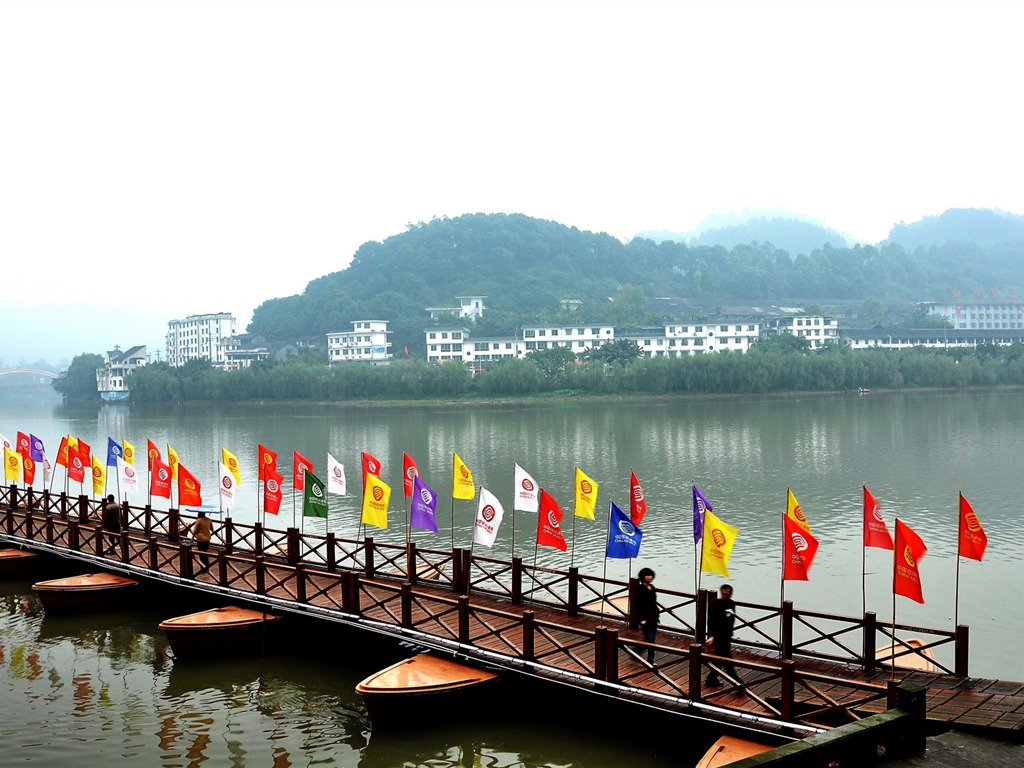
(409, 472)
(272, 490)
(637, 502)
(799, 548)
(75, 467)
(371, 466)
(28, 469)
(190, 492)
(85, 454)
(876, 533)
(23, 445)
(549, 523)
(906, 579)
(267, 460)
(300, 466)
(159, 477)
(152, 456)
(972, 536)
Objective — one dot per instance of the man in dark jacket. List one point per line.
(112, 522)
(721, 618)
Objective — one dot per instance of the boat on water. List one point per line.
(217, 630)
(909, 654)
(730, 749)
(89, 590)
(16, 560)
(408, 691)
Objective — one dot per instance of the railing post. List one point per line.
(410, 562)
(73, 535)
(257, 534)
(786, 639)
(600, 652)
(463, 608)
(124, 555)
(574, 591)
(229, 536)
(529, 627)
(351, 596)
(173, 524)
(517, 581)
(332, 552)
(261, 573)
(611, 664)
(787, 692)
(124, 515)
(154, 554)
(632, 620)
(185, 560)
(9, 519)
(62, 506)
(28, 526)
(694, 671)
(292, 543)
(46, 501)
(48, 527)
(369, 567)
(870, 639)
(14, 496)
(147, 519)
(912, 740)
(405, 593)
(30, 500)
(700, 628)
(83, 507)
(962, 650)
(891, 687)
(300, 582)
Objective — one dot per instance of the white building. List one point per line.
(818, 330)
(930, 338)
(367, 342)
(445, 344)
(200, 337)
(978, 316)
(469, 306)
(577, 338)
(118, 366)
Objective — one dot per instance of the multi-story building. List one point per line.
(200, 337)
(367, 342)
(932, 338)
(818, 330)
(118, 366)
(445, 344)
(469, 306)
(976, 315)
(577, 338)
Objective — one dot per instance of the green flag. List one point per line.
(314, 497)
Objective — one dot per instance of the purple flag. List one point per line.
(423, 506)
(35, 448)
(699, 505)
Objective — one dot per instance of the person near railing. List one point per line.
(721, 620)
(202, 532)
(112, 523)
(647, 609)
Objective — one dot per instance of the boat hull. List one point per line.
(86, 592)
(16, 561)
(422, 689)
(217, 631)
(910, 655)
(730, 749)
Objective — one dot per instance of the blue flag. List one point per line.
(114, 452)
(623, 536)
(423, 506)
(700, 504)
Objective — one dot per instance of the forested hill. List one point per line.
(525, 266)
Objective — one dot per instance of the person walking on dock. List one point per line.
(647, 609)
(721, 619)
(112, 523)
(202, 532)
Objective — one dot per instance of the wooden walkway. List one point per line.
(479, 608)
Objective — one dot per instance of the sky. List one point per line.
(164, 159)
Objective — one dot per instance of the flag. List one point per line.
(36, 449)
(5, 442)
(28, 469)
(300, 466)
(159, 478)
(795, 513)
(190, 491)
(152, 454)
(906, 579)
(99, 475)
(22, 445)
(876, 532)
(75, 466)
(272, 481)
(113, 451)
(718, 538)
(700, 506)
(462, 479)
(525, 497)
(375, 502)
(586, 495)
(128, 452)
(972, 536)
(267, 460)
(314, 497)
(62, 451)
(624, 536)
(371, 466)
(172, 461)
(126, 475)
(226, 486)
(488, 518)
(798, 550)
(549, 522)
(409, 472)
(47, 471)
(84, 453)
(336, 476)
(423, 507)
(637, 502)
(12, 464)
(231, 462)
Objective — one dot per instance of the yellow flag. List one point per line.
(12, 465)
(172, 461)
(375, 501)
(718, 540)
(99, 474)
(586, 495)
(128, 452)
(231, 462)
(794, 512)
(463, 486)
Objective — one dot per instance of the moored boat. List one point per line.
(730, 749)
(16, 560)
(89, 590)
(405, 691)
(217, 630)
(909, 654)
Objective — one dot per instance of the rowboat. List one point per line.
(408, 691)
(730, 749)
(16, 560)
(89, 590)
(216, 631)
(909, 654)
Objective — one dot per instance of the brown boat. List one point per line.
(16, 560)
(730, 749)
(216, 631)
(910, 654)
(408, 692)
(89, 590)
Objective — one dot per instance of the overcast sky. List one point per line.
(161, 159)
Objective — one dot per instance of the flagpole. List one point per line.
(453, 504)
(604, 575)
(782, 580)
(863, 568)
(892, 638)
(959, 538)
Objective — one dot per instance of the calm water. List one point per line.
(116, 691)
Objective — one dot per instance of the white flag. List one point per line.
(526, 498)
(47, 470)
(488, 518)
(335, 476)
(5, 443)
(127, 475)
(227, 487)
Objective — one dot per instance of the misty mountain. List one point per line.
(980, 226)
(794, 235)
